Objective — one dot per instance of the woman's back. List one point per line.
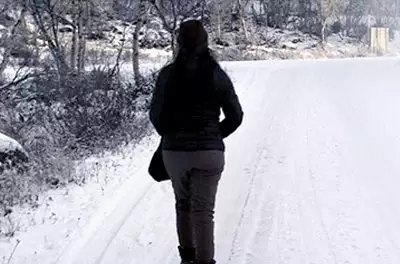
(185, 111)
(189, 95)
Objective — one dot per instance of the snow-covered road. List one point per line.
(312, 176)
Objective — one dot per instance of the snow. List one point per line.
(394, 45)
(8, 144)
(64, 214)
(311, 177)
(15, 73)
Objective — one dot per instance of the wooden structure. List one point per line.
(379, 40)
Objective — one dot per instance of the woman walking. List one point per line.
(185, 111)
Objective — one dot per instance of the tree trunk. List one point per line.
(349, 25)
(51, 39)
(75, 36)
(174, 46)
(89, 24)
(243, 20)
(135, 54)
(305, 8)
(323, 29)
(81, 37)
(5, 60)
(135, 45)
(265, 11)
(7, 44)
(36, 45)
(219, 35)
(167, 26)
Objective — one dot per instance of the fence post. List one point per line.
(379, 40)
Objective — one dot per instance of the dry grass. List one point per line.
(59, 124)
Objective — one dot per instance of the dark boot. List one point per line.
(209, 262)
(187, 255)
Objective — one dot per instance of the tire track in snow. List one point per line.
(123, 222)
(247, 168)
(312, 180)
(147, 230)
(344, 185)
(234, 247)
(286, 205)
(264, 214)
(241, 241)
(102, 222)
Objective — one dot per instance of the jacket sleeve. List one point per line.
(157, 105)
(230, 105)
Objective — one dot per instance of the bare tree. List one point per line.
(241, 5)
(167, 11)
(74, 42)
(220, 12)
(216, 11)
(384, 11)
(329, 9)
(83, 15)
(49, 15)
(173, 12)
(7, 40)
(47, 19)
(80, 12)
(141, 18)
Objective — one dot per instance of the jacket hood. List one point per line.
(192, 37)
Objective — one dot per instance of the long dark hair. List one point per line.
(190, 85)
(194, 64)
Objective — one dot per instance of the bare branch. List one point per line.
(162, 16)
(6, 55)
(16, 82)
(55, 49)
(13, 252)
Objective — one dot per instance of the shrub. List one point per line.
(336, 27)
(61, 119)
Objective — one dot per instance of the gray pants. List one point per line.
(195, 177)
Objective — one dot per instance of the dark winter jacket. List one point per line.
(185, 109)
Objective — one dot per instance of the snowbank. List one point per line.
(62, 215)
(8, 144)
